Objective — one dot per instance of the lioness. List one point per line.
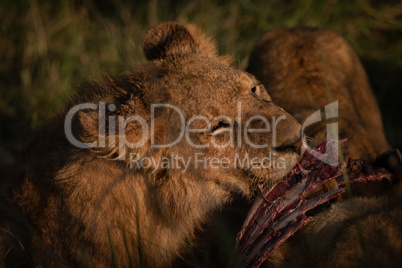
(303, 70)
(89, 188)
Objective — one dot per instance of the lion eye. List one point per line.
(256, 90)
(260, 92)
(220, 128)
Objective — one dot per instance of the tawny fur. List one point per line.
(84, 207)
(304, 70)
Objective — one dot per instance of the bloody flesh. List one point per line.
(279, 211)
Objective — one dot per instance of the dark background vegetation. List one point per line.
(47, 47)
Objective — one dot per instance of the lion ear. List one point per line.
(175, 39)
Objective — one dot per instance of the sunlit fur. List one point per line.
(85, 207)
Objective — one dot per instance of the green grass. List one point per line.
(48, 48)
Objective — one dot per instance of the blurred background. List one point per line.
(49, 47)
